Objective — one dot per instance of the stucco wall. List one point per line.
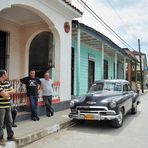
(13, 43)
(84, 52)
(28, 34)
(19, 46)
(111, 62)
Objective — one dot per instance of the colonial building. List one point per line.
(131, 72)
(41, 35)
(96, 57)
(37, 34)
(144, 67)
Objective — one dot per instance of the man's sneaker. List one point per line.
(14, 125)
(48, 115)
(37, 118)
(52, 113)
(2, 142)
(34, 118)
(11, 138)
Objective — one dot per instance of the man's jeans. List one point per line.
(6, 118)
(33, 105)
(48, 103)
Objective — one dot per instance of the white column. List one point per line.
(65, 67)
(115, 65)
(102, 75)
(63, 62)
(124, 77)
(57, 50)
(78, 61)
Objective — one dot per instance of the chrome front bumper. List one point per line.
(94, 115)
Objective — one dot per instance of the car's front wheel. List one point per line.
(116, 123)
(134, 110)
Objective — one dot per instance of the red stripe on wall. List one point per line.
(40, 103)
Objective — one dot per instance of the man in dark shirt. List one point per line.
(32, 85)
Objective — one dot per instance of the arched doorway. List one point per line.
(41, 53)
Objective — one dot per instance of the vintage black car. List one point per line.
(106, 100)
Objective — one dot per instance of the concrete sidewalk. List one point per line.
(30, 131)
(145, 91)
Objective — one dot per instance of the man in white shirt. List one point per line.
(46, 86)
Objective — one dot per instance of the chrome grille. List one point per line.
(88, 109)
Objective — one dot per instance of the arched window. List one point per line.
(41, 53)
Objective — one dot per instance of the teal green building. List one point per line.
(94, 57)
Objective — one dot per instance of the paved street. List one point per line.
(133, 134)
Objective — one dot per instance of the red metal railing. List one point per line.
(20, 98)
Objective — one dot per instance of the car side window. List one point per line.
(96, 87)
(125, 88)
(129, 88)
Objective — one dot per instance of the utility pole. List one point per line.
(141, 75)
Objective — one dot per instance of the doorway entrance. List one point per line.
(41, 53)
(105, 69)
(91, 72)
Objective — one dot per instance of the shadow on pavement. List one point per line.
(104, 127)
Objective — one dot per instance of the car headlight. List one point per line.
(72, 103)
(112, 104)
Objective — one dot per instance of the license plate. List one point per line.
(88, 117)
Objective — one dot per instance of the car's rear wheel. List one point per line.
(116, 123)
(134, 110)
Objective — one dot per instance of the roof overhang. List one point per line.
(95, 40)
(69, 9)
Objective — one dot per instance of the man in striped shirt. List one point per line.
(5, 110)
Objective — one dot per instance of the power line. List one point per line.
(108, 1)
(103, 23)
(83, 10)
(121, 19)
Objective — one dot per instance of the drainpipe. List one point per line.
(141, 72)
(78, 61)
(115, 65)
(102, 76)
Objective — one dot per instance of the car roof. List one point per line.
(112, 80)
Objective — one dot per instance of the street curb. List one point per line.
(25, 140)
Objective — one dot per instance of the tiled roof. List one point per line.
(130, 54)
(137, 53)
(72, 6)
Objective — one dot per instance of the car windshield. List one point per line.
(107, 86)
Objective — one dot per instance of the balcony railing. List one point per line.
(20, 98)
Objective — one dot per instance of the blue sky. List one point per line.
(120, 4)
(128, 18)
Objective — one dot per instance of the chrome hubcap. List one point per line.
(120, 118)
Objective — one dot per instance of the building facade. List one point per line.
(143, 65)
(37, 34)
(95, 57)
(41, 35)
